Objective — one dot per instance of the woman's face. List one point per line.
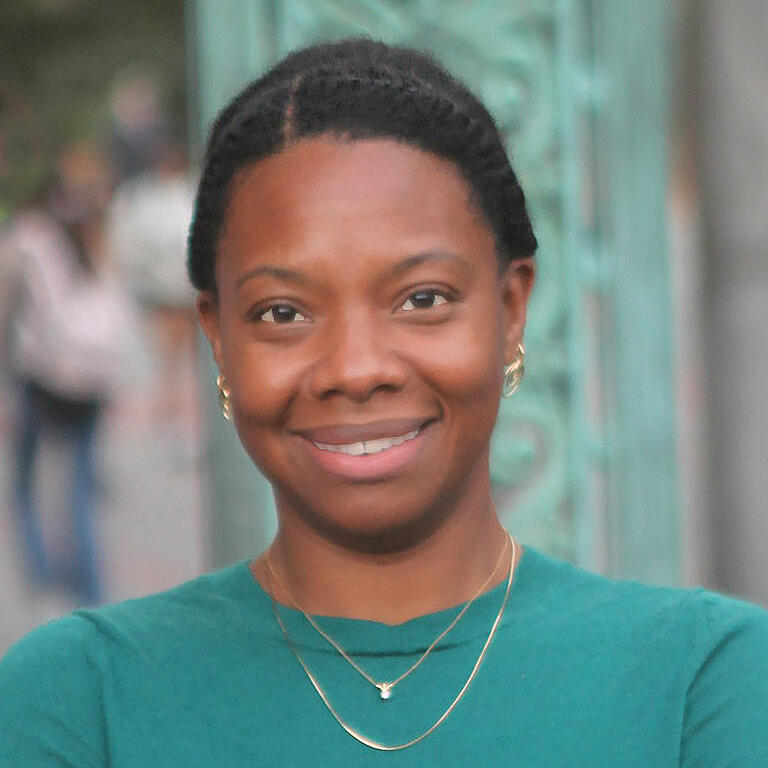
(362, 326)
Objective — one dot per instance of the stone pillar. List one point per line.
(732, 117)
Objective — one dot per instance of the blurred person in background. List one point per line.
(138, 119)
(66, 322)
(147, 229)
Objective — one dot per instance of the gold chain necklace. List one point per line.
(386, 688)
(394, 747)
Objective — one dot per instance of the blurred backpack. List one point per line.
(71, 326)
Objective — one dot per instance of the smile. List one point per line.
(369, 452)
(368, 447)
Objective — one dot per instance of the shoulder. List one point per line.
(694, 621)
(87, 637)
(189, 611)
(586, 592)
(61, 649)
(727, 698)
(731, 641)
(50, 697)
(698, 657)
(60, 683)
(722, 622)
(65, 641)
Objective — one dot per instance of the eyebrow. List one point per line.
(406, 264)
(279, 273)
(409, 262)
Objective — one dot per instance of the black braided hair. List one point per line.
(359, 89)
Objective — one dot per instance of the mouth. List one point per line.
(368, 447)
(367, 451)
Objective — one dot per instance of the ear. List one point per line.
(516, 284)
(208, 314)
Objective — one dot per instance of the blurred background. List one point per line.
(640, 134)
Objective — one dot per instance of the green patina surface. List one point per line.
(583, 456)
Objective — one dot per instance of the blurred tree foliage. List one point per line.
(58, 60)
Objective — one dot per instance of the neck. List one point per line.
(431, 574)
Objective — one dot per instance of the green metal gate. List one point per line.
(583, 457)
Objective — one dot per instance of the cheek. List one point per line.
(263, 382)
(263, 390)
(465, 364)
(465, 373)
(264, 387)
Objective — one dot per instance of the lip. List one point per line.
(368, 467)
(342, 434)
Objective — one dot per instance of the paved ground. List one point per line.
(150, 518)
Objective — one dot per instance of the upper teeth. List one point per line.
(369, 446)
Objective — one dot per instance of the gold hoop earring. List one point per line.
(513, 373)
(224, 394)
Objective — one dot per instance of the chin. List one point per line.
(379, 524)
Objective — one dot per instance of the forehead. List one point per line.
(325, 197)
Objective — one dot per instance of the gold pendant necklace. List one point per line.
(394, 747)
(386, 688)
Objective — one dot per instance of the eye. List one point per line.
(281, 313)
(423, 300)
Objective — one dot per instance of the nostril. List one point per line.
(357, 370)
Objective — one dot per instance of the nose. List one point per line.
(356, 360)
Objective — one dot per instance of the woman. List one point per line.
(363, 256)
(68, 326)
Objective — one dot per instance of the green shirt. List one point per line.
(584, 671)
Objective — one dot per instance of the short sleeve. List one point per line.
(50, 699)
(726, 716)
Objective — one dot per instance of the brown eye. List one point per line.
(423, 300)
(281, 313)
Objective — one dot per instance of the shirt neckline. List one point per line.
(365, 637)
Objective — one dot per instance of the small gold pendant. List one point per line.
(385, 690)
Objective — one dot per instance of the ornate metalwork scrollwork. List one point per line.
(506, 51)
